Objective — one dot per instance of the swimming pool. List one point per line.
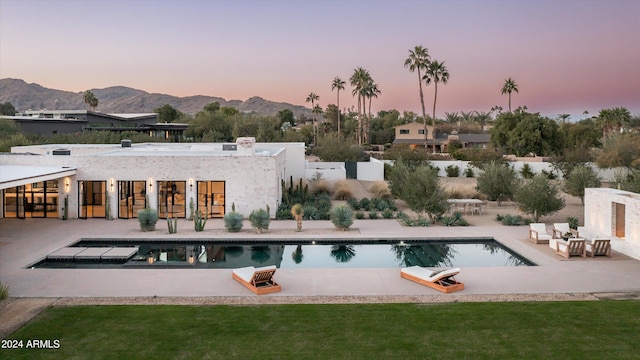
(285, 255)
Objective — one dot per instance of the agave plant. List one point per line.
(342, 217)
(260, 219)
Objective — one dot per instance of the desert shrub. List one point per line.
(392, 204)
(359, 215)
(260, 219)
(380, 190)
(364, 203)
(342, 190)
(320, 186)
(573, 222)
(342, 217)
(233, 221)
(511, 220)
(381, 205)
(452, 171)
(526, 171)
(406, 219)
(455, 219)
(387, 213)
(283, 212)
(323, 204)
(147, 218)
(354, 203)
(373, 214)
(310, 213)
(468, 172)
(4, 291)
(422, 221)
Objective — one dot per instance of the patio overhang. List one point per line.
(18, 175)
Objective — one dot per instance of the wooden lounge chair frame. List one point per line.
(598, 247)
(261, 282)
(574, 247)
(445, 282)
(534, 235)
(560, 231)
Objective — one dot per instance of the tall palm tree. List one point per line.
(611, 120)
(419, 59)
(564, 117)
(358, 80)
(371, 91)
(436, 72)
(338, 84)
(509, 87)
(312, 97)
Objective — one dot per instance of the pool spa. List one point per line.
(130, 253)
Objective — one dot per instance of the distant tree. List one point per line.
(286, 116)
(418, 60)
(612, 120)
(333, 148)
(8, 128)
(570, 158)
(436, 72)
(580, 178)
(331, 114)
(212, 107)
(582, 134)
(90, 99)
(359, 80)
(338, 84)
(312, 98)
(167, 113)
(509, 87)
(7, 109)
(538, 197)
(497, 181)
(522, 133)
(627, 180)
(370, 91)
(563, 117)
(620, 150)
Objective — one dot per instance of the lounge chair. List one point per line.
(259, 280)
(560, 230)
(538, 233)
(598, 247)
(571, 247)
(442, 280)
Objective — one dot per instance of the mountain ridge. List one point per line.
(122, 99)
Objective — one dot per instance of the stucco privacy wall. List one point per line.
(251, 182)
(600, 214)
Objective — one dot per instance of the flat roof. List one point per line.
(18, 175)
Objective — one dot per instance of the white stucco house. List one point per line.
(117, 180)
(614, 214)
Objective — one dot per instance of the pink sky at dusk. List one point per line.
(566, 56)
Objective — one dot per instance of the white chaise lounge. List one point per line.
(259, 280)
(441, 280)
(538, 233)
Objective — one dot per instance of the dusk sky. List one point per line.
(566, 56)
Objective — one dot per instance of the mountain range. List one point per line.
(120, 99)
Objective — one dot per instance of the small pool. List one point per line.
(290, 255)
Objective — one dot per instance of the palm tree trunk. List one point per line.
(359, 130)
(509, 101)
(338, 113)
(433, 120)
(369, 122)
(424, 114)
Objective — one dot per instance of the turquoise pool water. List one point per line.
(291, 255)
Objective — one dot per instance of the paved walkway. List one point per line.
(24, 242)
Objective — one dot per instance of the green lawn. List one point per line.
(537, 330)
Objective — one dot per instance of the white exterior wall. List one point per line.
(295, 161)
(331, 171)
(599, 216)
(251, 182)
(371, 171)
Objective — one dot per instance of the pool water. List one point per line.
(395, 254)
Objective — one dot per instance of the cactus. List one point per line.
(260, 219)
(191, 209)
(65, 210)
(173, 225)
(298, 212)
(199, 221)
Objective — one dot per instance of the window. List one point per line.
(404, 131)
(421, 131)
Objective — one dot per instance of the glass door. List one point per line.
(131, 198)
(20, 202)
(92, 199)
(171, 199)
(211, 198)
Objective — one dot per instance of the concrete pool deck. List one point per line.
(24, 242)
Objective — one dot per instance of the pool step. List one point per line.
(105, 254)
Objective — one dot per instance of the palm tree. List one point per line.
(358, 80)
(436, 72)
(338, 84)
(611, 120)
(563, 117)
(312, 97)
(371, 91)
(419, 59)
(90, 99)
(508, 87)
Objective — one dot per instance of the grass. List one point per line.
(581, 330)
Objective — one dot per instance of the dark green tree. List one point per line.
(286, 115)
(620, 150)
(522, 133)
(497, 181)
(509, 87)
(538, 197)
(7, 109)
(580, 178)
(167, 113)
(90, 99)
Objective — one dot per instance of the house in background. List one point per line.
(51, 122)
(413, 135)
